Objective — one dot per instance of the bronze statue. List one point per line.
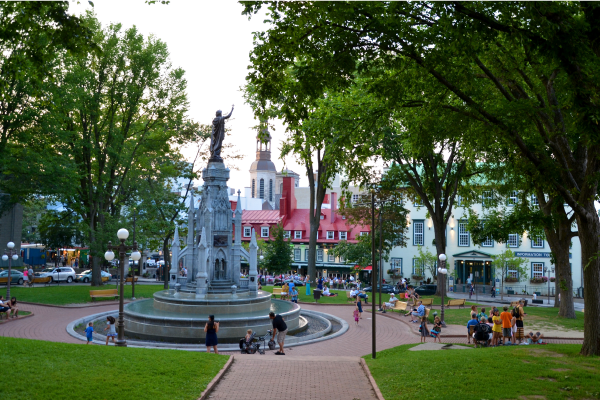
(218, 134)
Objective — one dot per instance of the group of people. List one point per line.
(500, 328)
(9, 307)
(28, 276)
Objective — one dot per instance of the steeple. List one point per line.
(262, 170)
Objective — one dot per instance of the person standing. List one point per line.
(356, 315)
(112, 332)
(30, 275)
(506, 318)
(359, 306)
(518, 314)
(497, 328)
(423, 329)
(89, 331)
(307, 282)
(211, 328)
(280, 330)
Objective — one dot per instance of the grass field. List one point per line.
(72, 371)
(72, 294)
(551, 371)
(339, 299)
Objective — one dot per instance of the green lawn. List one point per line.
(339, 299)
(78, 371)
(71, 294)
(551, 372)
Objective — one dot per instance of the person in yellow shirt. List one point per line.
(497, 328)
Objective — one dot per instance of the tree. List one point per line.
(121, 109)
(507, 266)
(60, 229)
(278, 254)
(524, 71)
(427, 261)
(33, 210)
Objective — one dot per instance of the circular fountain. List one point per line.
(174, 316)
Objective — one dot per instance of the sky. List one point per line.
(211, 41)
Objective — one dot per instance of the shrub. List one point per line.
(510, 279)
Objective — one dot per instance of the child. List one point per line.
(88, 333)
(112, 332)
(437, 329)
(423, 329)
(294, 295)
(356, 314)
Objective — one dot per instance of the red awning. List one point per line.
(367, 268)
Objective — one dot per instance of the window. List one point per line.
(343, 235)
(342, 260)
(322, 216)
(247, 231)
(297, 253)
(355, 198)
(537, 242)
(464, 238)
(330, 234)
(320, 255)
(534, 201)
(458, 200)
(364, 233)
(418, 202)
(286, 234)
(297, 234)
(281, 188)
(488, 242)
(396, 263)
(513, 240)
(418, 267)
(306, 255)
(418, 233)
(270, 189)
(512, 198)
(253, 188)
(330, 257)
(261, 188)
(264, 231)
(487, 198)
(511, 273)
(537, 270)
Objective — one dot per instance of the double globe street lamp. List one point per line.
(9, 256)
(122, 234)
(442, 271)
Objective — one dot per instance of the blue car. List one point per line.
(17, 276)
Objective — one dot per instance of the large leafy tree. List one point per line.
(527, 72)
(278, 252)
(121, 109)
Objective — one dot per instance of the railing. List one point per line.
(244, 282)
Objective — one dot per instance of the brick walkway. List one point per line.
(298, 378)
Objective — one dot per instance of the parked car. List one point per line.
(16, 276)
(426, 290)
(384, 289)
(269, 279)
(86, 276)
(58, 274)
(297, 282)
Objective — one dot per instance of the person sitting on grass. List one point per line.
(472, 322)
(391, 303)
(534, 339)
(327, 293)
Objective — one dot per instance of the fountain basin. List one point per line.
(181, 317)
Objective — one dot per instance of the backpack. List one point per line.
(483, 328)
(516, 312)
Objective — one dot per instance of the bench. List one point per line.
(106, 278)
(45, 280)
(456, 302)
(426, 302)
(128, 279)
(400, 306)
(4, 281)
(277, 291)
(94, 294)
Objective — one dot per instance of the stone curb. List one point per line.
(367, 372)
(6, 321)
(197, 347)
(216, 379)
(91, 305)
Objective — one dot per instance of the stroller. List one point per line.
(253, 344)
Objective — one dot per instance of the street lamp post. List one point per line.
(373, 278)
(548, 269)
(442, 271)
(122, 234)
(9, 256)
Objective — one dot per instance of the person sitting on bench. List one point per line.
(391, 303)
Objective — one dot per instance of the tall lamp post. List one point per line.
(9, 256)
(122, 234)
(442, 271)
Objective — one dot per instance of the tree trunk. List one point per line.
(95, 261)
(589, 235)
(439, 227)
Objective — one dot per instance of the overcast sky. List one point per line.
(211, 41)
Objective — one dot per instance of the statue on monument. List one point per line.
(218, 134)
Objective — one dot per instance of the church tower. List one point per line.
(263, 174)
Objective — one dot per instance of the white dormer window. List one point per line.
(343, 235)
(286, 234)
(330, 234)
(297, 234)
(264, 232)
(322, 216)
(364, 233)
(247, 231)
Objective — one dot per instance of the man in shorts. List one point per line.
(506, 318)
(391, 303)
(280, 329)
